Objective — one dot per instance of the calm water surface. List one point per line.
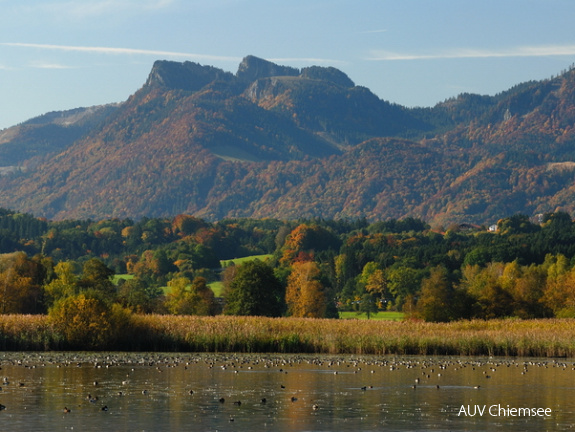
(173, 392)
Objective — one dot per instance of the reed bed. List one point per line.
(535, 338)
(26, 333)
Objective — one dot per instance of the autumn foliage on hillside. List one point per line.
(310, 143)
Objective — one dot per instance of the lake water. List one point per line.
(176, 392)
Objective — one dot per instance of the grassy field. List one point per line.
(240, 261)
(117, 277)
(386, 316)
(217, 288)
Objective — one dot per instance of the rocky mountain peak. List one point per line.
(184, 76)
(252, 68)
(330, 74)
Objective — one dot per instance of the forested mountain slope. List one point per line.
(275, 141)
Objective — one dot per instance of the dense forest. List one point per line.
(310, 268)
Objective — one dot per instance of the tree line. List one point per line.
(315, 268)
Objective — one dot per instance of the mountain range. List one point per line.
(273, 141)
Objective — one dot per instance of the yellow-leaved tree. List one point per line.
(20, 280)
(190, 298)
(87, 321)
(305, 294)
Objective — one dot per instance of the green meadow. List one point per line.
(240, 261)
(118, 277)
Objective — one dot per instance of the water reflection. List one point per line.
(157, 392)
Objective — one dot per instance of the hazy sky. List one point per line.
(63, 54)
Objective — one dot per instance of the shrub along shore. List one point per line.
(167, 333)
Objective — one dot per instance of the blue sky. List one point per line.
(63, 54)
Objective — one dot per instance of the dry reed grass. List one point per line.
(554, 337)
(539, 338)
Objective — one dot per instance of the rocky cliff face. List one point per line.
(329, 74)
(252, 68)
(192, 76)
(274, 85)
(184, 76)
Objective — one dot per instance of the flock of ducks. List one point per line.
(429, 367)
